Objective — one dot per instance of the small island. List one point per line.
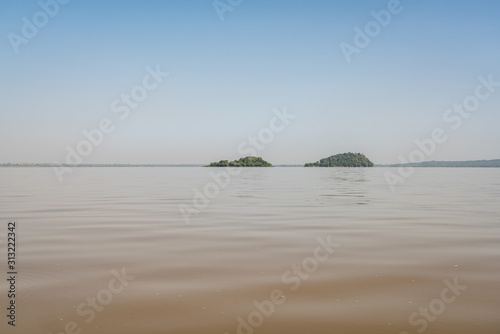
(243, 162)
(343, 160)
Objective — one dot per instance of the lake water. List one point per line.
(277, 250)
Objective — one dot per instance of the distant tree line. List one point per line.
(471, 163)
(343, 160)
(243, 162)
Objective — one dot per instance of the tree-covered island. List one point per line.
(343, 160)
(243, 162)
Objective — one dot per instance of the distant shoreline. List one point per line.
(95, 165)
(495, 163)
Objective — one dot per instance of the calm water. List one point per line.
(278, 250)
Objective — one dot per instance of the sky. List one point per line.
(233, 66)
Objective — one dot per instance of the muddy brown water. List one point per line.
(270, 250)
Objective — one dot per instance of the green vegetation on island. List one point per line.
(243, 162)
(343, 160)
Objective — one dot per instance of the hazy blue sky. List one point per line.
(226, 77)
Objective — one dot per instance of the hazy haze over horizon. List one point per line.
(226, 78)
